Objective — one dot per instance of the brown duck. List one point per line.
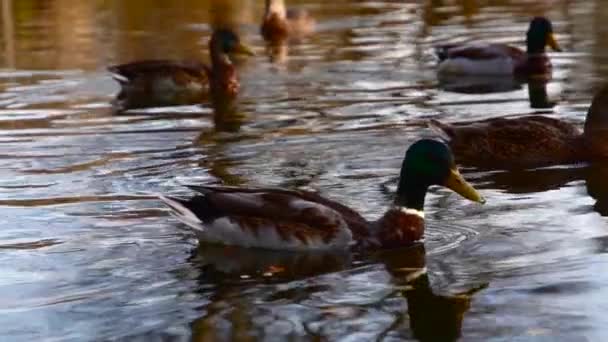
(280, 24)
(157, 83)
(530, 141)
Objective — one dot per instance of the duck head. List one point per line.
(429, 162)
(540, 35)
(225, 42)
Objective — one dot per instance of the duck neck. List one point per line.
(411, 195)
(399, 226)
(534, 46)
(276, 7)
(219, 58)
(222, 77)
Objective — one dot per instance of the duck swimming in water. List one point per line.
(530, 141)
(300, 220)
(279, 23)
(157, 83)
(501, 59)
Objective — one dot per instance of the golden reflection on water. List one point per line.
(71, 34)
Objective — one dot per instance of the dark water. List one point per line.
(87, 252)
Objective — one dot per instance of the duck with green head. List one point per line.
(530, 141)
(157, 83)
(501, 59)
(301, 220)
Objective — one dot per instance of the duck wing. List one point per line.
(357, 223)
(266, 218)
(125, 73)
(478, 52)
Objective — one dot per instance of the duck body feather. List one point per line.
(492, 59)
(479, 59)
(275, 28)
(530, 141)
(150, 83)
(268, 218)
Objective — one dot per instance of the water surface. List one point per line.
(88, 253)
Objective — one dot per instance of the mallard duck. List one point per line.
(153, 83)
(529, 141)
(500, 59)
(279, 23)
(300, 220)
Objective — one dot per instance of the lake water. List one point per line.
(88, 253)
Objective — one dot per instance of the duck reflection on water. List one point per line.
(537, 88)
(429, 316)
(545, 179)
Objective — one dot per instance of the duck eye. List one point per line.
(228, 44)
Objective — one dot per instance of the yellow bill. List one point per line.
(552, 42)
(459, 185)
(242, 49)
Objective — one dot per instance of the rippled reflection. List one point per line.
(539, 180)
(431, 316)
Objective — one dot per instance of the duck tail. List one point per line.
(444, 131)
(181, 209)
(442, 52)
(117, 74)
(119, 102)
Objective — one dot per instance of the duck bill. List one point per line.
(459, 185)
(242, 49)
(552, 42)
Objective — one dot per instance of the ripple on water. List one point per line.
(89, 253)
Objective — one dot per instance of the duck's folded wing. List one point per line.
(266, 219)
(480, 52)
(129, 71)
(357, 223)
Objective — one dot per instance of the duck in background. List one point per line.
(158, 83)
(501, 59)
(299, 220)
(279, 24)
(529, 141)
